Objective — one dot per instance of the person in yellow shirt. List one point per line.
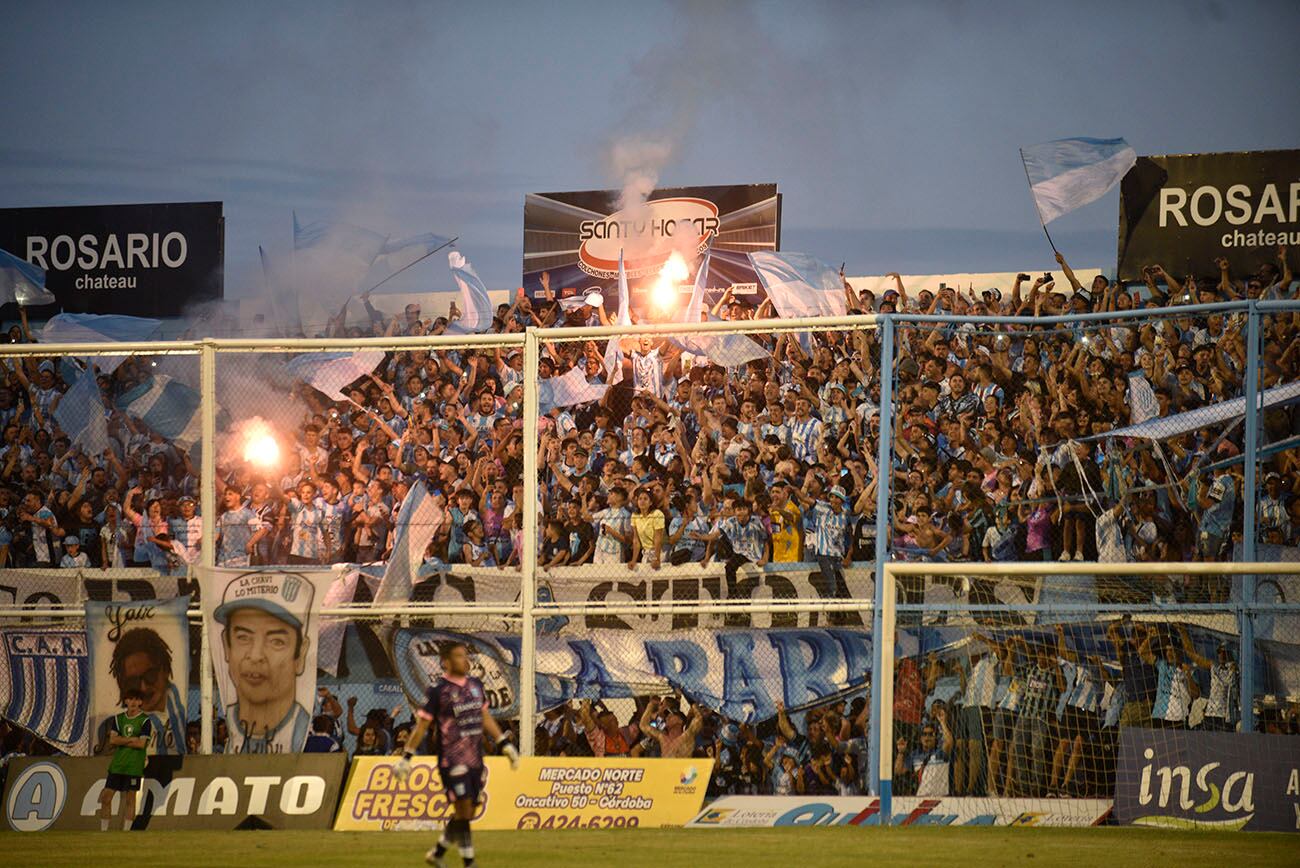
(785, 538)
(648, 537)
(791, 519)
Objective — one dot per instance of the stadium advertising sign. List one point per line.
(1185, 211)
(1208, 780)
(199, 792)
(576, 238)
(543, 793)
(139, 260)
(752, 812)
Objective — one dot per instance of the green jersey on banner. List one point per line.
(130, 760)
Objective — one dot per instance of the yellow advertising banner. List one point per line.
(543, 793)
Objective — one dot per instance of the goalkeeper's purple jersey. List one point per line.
(456, 709)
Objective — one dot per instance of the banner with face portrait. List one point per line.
(264, 628)
(142, 645)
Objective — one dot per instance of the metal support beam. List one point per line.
(208, 513)
(881, 663)
(1246, 655)
(528, 558)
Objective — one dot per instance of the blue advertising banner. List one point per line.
(1208, 780)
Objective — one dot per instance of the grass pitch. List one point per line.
(666, 848)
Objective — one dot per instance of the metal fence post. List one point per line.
(1246, 657)
(208, 513)
(878, 753)
(528, 558)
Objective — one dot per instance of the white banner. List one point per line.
(754, 812)
(264, 626)
(40, 588)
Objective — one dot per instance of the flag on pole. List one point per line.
(329, 373)
(1069, 173)
(417, 521)
(397, 254)
(22, 282)
(799, 285)
(613, 352)
(727, 350)
(476, 316)
(80, 414)
(167, 407)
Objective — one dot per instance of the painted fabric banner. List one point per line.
(146, 646)
(264, 628)
(742, 674)
(45, 684)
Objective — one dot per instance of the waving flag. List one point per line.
(80, 414)
(22, 282)
(90, 328)
(477, 315)
(331, 372)
(417, 522)
(1164, 427)
(1069, 173)
(727, 350)
(569, 389)
(799, 285)
(398, 254)
(167, 407)
(613, 352)
(1141, 399)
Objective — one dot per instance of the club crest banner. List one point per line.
(45, 684)
(143, 645)
(264, 630)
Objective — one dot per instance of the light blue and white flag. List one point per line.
(331, 260)
(799, 285)
(1069, 173)
(90, 328)
(568, 389)
(1142, 404)
(476, 316)
(727, 350)
(614, 352)
(329, 373)
(400, 253)
(1164, 427)
(22, 282)
(167, 407)
(80, 415)
(45, 684)
(417, 522)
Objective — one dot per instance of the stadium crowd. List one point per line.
(685, 461)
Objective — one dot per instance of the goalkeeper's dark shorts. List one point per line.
(463, 782)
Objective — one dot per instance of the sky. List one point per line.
(891, 129)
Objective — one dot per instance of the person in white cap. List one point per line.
(264, 638)
(73, 557)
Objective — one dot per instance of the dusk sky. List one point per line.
(890, 128)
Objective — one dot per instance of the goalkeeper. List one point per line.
(457, 706)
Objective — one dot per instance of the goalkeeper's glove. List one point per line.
(402, 768)
(508, 750)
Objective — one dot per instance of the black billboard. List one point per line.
(575, 238)
(218, 792)
(139, 260)
(1185, 211)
